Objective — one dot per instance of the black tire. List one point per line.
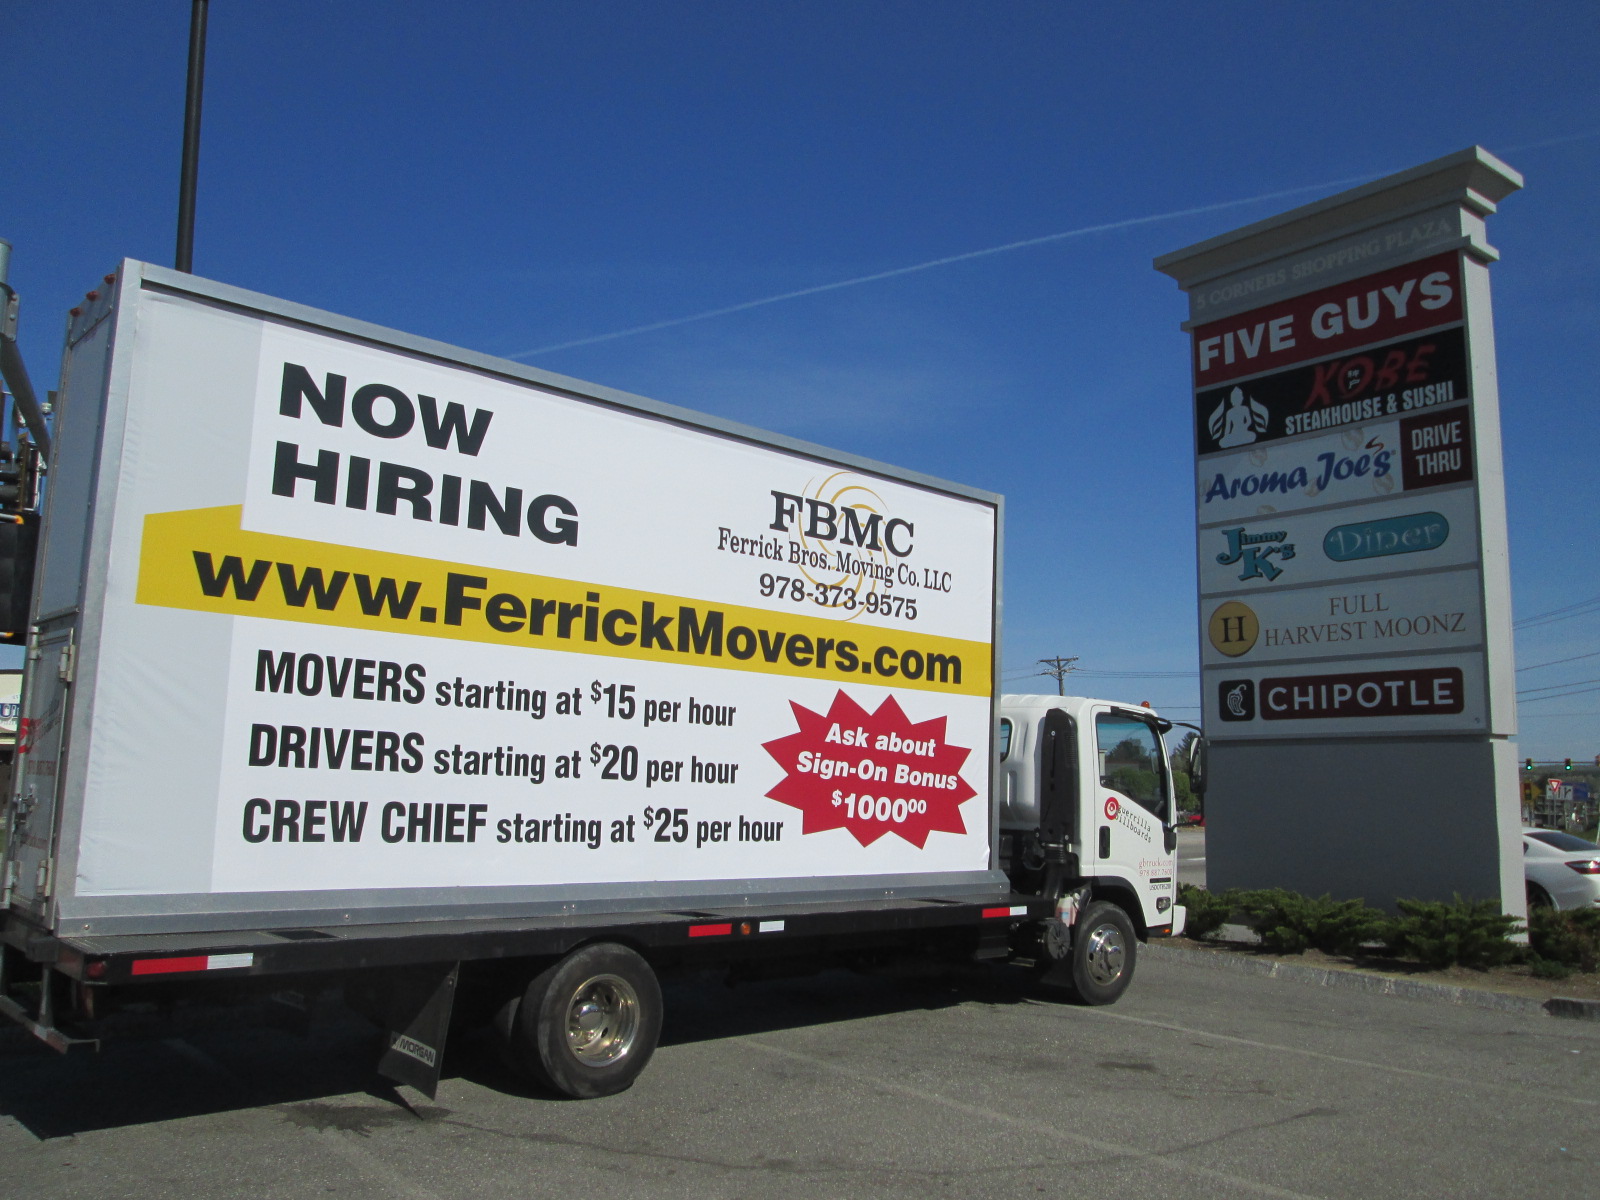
(1538, 898)
(1104, 951)
(587, 1025)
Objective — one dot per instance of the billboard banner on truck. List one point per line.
(454, 628)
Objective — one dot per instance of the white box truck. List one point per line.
(357, 659)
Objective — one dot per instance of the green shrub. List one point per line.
(1468, 933)
(1289, 923)
(1571, 938)
(1207, 911)
(1544, 968)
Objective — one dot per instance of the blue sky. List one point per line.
(516, 176)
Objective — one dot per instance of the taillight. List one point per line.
(1587, 867)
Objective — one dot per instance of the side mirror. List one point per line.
(1197, 767)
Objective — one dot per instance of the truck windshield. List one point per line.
(1130, 757)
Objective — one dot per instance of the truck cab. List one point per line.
(1087, 808)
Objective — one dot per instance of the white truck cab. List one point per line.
(1086, 813)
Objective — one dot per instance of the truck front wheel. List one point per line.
(587, 1025)
(1104, 947)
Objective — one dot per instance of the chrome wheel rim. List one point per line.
(1105, 954)
(602, 1020)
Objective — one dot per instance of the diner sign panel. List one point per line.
(1399, 534)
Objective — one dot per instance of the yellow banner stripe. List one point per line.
(200, 559)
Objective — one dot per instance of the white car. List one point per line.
(1562, 871)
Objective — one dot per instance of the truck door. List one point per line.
(41, 743)
(1058, 795)
(1132, 811)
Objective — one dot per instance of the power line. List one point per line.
(1140, 674)
(1550, 687)
(1113, 674)
(1567, 612)
(1558, 695)
(1556, 661)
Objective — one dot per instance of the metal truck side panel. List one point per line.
(371, 628)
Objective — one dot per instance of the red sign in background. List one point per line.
(871, 773)
(1375, 308)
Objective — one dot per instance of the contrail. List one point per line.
(1107, 227)
(1555, 141)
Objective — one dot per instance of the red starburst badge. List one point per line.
(871, 773)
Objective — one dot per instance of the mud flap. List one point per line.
(414, 1011)
(1058, 936)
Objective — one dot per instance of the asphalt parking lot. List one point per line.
(1199, 1083)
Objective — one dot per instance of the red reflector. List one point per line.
(710, 930)
(1588, 867)
(168, 966)
(997, 912)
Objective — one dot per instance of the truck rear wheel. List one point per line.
(587, 1025)
(1104, 948)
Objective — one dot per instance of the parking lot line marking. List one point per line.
(1032, 1126)
(370, 1165)
(1338, 1058)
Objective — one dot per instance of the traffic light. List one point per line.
(1567, 766)
(1528, 763)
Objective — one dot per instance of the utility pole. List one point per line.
(24, 403)
(1060, 668)
(190, 173)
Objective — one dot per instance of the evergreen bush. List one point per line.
(1570, 938)
(1207, 911)
(1544, 968)
(1289, 923)
(1468, 933)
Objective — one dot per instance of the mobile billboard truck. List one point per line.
(360, 660)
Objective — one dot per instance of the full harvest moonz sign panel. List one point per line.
(1354, 604)
(382, 621)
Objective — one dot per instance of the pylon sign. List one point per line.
(1355, 600)
(1351, 525)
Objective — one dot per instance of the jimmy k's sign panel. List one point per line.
(1404, 533)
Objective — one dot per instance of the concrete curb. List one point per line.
(1383, 985)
